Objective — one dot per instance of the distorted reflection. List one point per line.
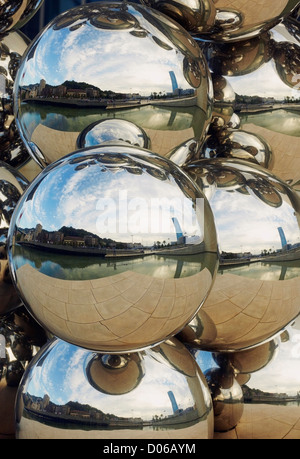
(102, 263)
(154, 64)
(14, 14)
(12, 186)
(263, 73)
(12, 149)
(20, 339)
(151, 394)
(113, 130)
(256, 292)
(269, 378)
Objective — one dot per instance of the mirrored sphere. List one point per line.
(270, 388)
(256, 291)
(20, 339)
(12, 149)
(156, 393)
(113, 248)
(240, 144)
(12, 186)
(115, 60)
(225, 20)
(115, 131)
(264, 74)
(14, 14)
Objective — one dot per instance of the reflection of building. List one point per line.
(173, 401)
(74, 241)
(37, 231)
(179, 233)
(174, 81)
(282, 238)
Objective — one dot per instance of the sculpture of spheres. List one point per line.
(12, 186)
(20, 339)
(264, 74)
(256, 291)
(12, 149)
(112, 59)
(113, 248)
(155, 393)
(224, 20)
(15, 14)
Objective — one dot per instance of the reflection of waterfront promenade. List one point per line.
(260, 108)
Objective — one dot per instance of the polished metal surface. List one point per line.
(113, 248)
(256, 291)
(20, 339)
(12, 149)
(155, 393)
(269, 378)
(12, 186)
(263, 72)
(115, 60)
(114, 131)
(14, 14)
(225, 20)
(230, 143)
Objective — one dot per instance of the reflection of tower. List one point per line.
(173, 401)
(174, 81)
(179, 233)
(42, 86)
(282, 237)
(37, 231)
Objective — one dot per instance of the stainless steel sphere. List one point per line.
(14, 14)
(256, 291)
(114, 60)
(12, 149)
(155, 393)
(20, 339)
(113, 248)
(225, 20)
(264, 74)
(268, 376)
(12, 186)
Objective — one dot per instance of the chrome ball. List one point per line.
(254, 296)
(12, 149)
(113, 248)
(12, 186)
(115, 60)
(264, 74)
(224, 20)
(164, 393)
(15, 14)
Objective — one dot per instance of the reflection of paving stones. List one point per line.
(247, 311)
(116, 312)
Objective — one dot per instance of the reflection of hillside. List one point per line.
(76, 413)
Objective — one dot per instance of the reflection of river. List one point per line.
(72, 119)
(282, 121)
(86, 268)
(266, 271)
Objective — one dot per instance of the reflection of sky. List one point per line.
(110, 204)
(246, 224)
(113, 60)
(284, 121)
(62, 376)
(263, 82)
(282, 374)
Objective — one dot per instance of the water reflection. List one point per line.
(140, 395)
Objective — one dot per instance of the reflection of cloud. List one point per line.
(264, 82)
(248, 222)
